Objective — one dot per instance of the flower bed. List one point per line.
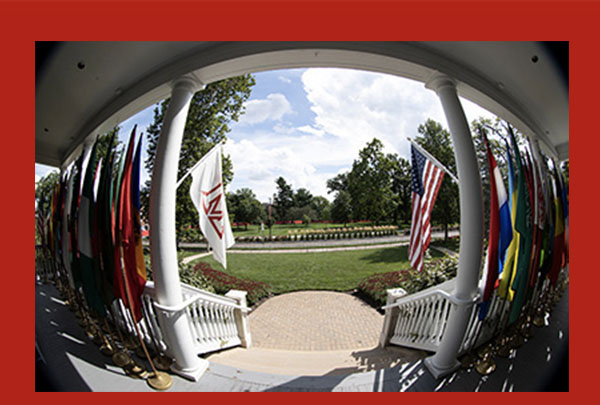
(375, 287)
(349, 232)
(435, 271)
(223, 282)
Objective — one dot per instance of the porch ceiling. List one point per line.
(86, 88)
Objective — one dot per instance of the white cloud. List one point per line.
(350, 109)
(311, 130)
(357, 106)
(273, 108)
(284, 79)
(301, 160)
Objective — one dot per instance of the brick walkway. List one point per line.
(315, 320)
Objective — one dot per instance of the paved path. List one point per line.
(315, 320)
(318, 243)
(318, 246)
(315, 333)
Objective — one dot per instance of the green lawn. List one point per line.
(337, 271)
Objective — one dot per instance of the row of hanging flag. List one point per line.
(92, 228)
(527, 238)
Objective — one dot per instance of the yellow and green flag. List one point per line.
(524, 228)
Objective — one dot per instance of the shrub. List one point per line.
(434, 272)
(187, 274)
(190, 276)
(375, 287)
(223, 282)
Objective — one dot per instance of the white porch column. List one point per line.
(163, 246)
(445, 360)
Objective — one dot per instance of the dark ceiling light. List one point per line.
(46, 130)
(81, 65)
(534, 58)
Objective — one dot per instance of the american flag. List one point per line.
(426, 182)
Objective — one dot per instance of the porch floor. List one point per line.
(66, 360)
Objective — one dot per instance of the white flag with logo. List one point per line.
(208, 196)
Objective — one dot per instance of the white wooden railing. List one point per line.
(216, 322)
(420, 319)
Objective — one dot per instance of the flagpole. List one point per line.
(160, 380)
(434, 160)
(202, 159)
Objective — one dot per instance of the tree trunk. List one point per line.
(445, 232)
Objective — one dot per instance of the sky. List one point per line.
(308, 125)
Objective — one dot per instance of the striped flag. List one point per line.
(509, 265)
(500, 231)
(426, 182)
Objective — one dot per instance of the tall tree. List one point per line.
(338, 183)
(211, 111)
(341, 208)
(244, 207)
(302, 198)
(436, 140)
(321, 207)
(369, 183)
(283, 200)
(401, 189)
(104, 144)
(43, 191)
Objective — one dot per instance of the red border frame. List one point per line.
(23, 23)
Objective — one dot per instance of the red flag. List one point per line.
(492, 263)
(130, 284)
(134, 281)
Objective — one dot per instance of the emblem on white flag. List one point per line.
(208, 196)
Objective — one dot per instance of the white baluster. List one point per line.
(202, 322)
(423, 320)
(409, 319)
(194, 324)
(220, 322)
(212, 322)
(443, 305)
(231, 329)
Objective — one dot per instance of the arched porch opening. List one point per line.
(193, 68)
